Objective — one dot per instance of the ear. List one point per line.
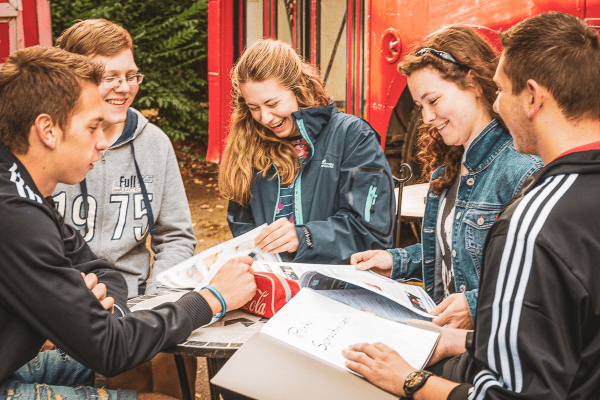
(535, 97)
(473, 85)
(46, 130)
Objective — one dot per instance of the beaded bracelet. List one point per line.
(219, 296)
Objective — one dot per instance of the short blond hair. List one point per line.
(95, 37)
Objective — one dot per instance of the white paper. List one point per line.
(198, 270)
(324, 327)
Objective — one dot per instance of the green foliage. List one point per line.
(170, 39)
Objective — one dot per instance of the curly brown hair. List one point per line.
(250, 146)
(476, 64)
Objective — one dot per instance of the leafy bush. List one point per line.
(169, 38)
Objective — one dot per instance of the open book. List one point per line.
(198, 270)
(364, 290)
(303, 344)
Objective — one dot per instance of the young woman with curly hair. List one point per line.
(475, 171)
(317, 176)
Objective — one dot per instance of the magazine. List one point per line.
(364, 290)
(198, 270)
(323, 327)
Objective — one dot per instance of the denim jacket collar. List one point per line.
(485, 147)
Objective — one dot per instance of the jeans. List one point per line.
(53, 374)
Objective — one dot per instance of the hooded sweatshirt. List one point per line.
(116, 223)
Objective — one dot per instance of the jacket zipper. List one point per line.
(298, 217)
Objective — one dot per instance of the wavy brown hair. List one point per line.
(472, 51)
(250, 146)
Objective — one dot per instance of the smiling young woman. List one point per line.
(474, 168)
(317, 176)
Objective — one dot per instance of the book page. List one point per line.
(324, 327)
(333, 277)
(197, 271)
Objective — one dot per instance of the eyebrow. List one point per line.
(265, 102)
(425, 95)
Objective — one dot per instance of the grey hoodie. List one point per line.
(117, 222)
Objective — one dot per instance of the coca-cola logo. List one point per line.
(258, 305)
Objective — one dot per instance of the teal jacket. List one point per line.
(343, 196)
(495, 173)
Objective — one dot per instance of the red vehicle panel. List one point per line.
(357, 45)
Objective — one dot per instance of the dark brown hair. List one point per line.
(560, 52)
(40, 80)
(477, 61)
(95, 37)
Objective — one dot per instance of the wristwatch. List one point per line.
(415, 381)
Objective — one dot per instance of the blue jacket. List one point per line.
(343, 196)
(496, 172)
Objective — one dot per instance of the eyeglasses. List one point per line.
(441, 54)
(116, 81)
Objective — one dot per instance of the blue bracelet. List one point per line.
(219, 296)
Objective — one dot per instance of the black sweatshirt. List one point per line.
(538, 317)
(43, 296)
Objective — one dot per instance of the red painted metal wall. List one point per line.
(392, 26)
(23, 23)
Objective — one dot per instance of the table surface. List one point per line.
(219, 340)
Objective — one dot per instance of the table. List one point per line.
(414, 198)
(218, 341)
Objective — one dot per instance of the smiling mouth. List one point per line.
(278, 125)
(116, 102)
(439, 128)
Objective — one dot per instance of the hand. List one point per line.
(381, 365)
(99, 290)
(451, 342)
(379, 261)
(453, 312)
(235, 281)
(278, 237)
(48, 345)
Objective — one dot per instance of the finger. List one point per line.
(359, 368)
(441, 320)
(359, 357)
(108, 303)
(382, 347)
(365, 265)
(90, 280)
(288, 242)
(268, 230)
(442, 306)
(276, 239)
(99, 291)
(356, 258)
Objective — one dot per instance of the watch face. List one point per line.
(414, 379)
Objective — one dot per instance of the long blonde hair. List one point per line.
(250, 146)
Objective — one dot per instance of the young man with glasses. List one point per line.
(136, 189)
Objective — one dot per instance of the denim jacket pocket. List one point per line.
(478, 224)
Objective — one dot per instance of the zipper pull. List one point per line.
(103, 156)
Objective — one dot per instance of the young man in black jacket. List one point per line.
(537, 334)
(53, 287)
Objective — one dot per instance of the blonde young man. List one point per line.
(136, 188)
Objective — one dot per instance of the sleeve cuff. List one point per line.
(197, 308)
(397, 257)
(460, 392)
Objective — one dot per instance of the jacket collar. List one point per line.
(486, 146)
(313, 119)
(131, 124)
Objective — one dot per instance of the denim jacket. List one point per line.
(495, 173)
